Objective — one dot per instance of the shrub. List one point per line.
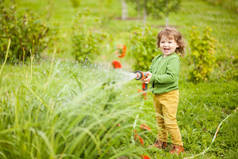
(143, 47)
(86, 45)
(86, 41)
(28, 35)
(75, 3)
(203, 50)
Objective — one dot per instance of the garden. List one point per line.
(68, 87)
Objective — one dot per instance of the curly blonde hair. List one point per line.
(172, 33)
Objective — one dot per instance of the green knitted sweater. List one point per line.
(165, 73)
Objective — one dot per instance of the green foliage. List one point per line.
(65, 111)
(86, 45)
(229, 4)
(203, 50)
(75, 3)
(156, 8)
(50, 114)
(143, 47)
(87, 41)
(29, 37)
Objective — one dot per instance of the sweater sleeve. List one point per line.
(171, 74)
(152, 63)
(150, 68)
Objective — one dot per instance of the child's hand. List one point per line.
(149, 75)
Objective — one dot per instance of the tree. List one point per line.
(156, 8)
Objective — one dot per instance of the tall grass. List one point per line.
(65, 111)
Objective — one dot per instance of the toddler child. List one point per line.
(164, 76)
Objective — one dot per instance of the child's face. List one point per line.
(168, 45)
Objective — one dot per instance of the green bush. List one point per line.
(143, 47)
(86, 45)
(75, 3)
(203, 50)
(86, 41)
(28, 35)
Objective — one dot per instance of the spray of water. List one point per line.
(126, 76)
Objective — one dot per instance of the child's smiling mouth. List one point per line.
(166, 49)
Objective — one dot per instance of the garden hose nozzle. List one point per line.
(141, 76)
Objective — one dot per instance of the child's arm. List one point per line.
(171, 74)
(149, 74)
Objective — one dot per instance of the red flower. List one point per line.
(140, 138)
(145, 157)
(116, 64)
(121, 50)
(145, 127)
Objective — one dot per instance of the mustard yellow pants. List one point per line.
(166, 105)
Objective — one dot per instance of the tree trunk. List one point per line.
(144, 19)
(138, 10)
(124, 10)
(166, 21)
(145, 12)
(144, 15)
